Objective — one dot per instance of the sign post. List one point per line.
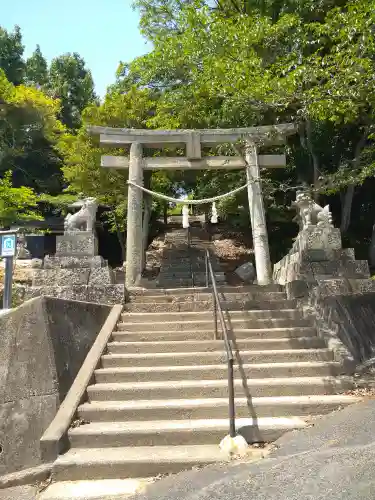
(8, 251)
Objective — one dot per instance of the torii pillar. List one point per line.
(257, 216)
(134, 240)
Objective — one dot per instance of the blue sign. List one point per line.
(8, 245)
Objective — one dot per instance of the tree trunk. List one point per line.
(147, 201)
(121, 239)
(146, 224)
(372, 248)
(346, 208)
(347, 198)
(315, 160)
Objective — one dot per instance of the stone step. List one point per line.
(208, 334)
(297, 386)
(173, 274)
(191, 359)
(203, 325)
(173, 317)
(179, 432)
(182, 266)
(175, 409)
(102, 489)
(171, 278)
(200, 277)
(200, 305)
(132, 462)
(204, 296)
(162, 282)
(182, 260)
(294, 368)
(120, 345)
(223, 289)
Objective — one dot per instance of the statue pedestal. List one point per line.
(78, 244)
(317, 254)
(77, 272)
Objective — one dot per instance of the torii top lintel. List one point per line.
(270, 134)
(193, 140)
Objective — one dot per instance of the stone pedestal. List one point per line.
(316, 255)
(80, 243)
(77, 272)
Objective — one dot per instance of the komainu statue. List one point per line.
(84, 219)
(310, 213)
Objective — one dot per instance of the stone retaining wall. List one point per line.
(43, 343)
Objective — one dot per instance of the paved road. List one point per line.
(19, 493)
(334, 459)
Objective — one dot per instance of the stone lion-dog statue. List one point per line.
(310, 213)
(84, 219)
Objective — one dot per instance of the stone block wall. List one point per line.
(330, 284)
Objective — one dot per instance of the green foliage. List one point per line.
(37, 69)
(71, 82)
(16, 204)
(29, 131)
(11, 52)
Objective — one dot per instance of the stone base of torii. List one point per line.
(251, 138)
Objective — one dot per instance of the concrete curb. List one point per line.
(28, 476)
(52, 441)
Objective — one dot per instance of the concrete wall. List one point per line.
(42, 346)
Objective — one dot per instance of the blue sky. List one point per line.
(103, 32)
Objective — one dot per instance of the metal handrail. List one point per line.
(218, 311)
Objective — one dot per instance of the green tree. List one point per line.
(16, 204)
(71, 82)
(37, 69)
(11, 53)
(29, 134)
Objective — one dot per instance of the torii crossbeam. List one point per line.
(193, 141)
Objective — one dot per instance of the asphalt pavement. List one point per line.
(333, 459)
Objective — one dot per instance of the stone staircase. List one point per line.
(158, 403)
(183, 261)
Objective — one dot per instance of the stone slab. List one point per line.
(321, 254)
(103, 294)
(68, 276)
(57, 276)
(81, 243)
(362, 285)
(52, 262)
(101, 276)
(343, 286)
(317, 238)
(349, 269)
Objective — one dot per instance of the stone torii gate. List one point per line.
(192, 141)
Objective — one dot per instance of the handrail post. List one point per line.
(218, 314)
(215, 313)
(206, 262)
(232, 424)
